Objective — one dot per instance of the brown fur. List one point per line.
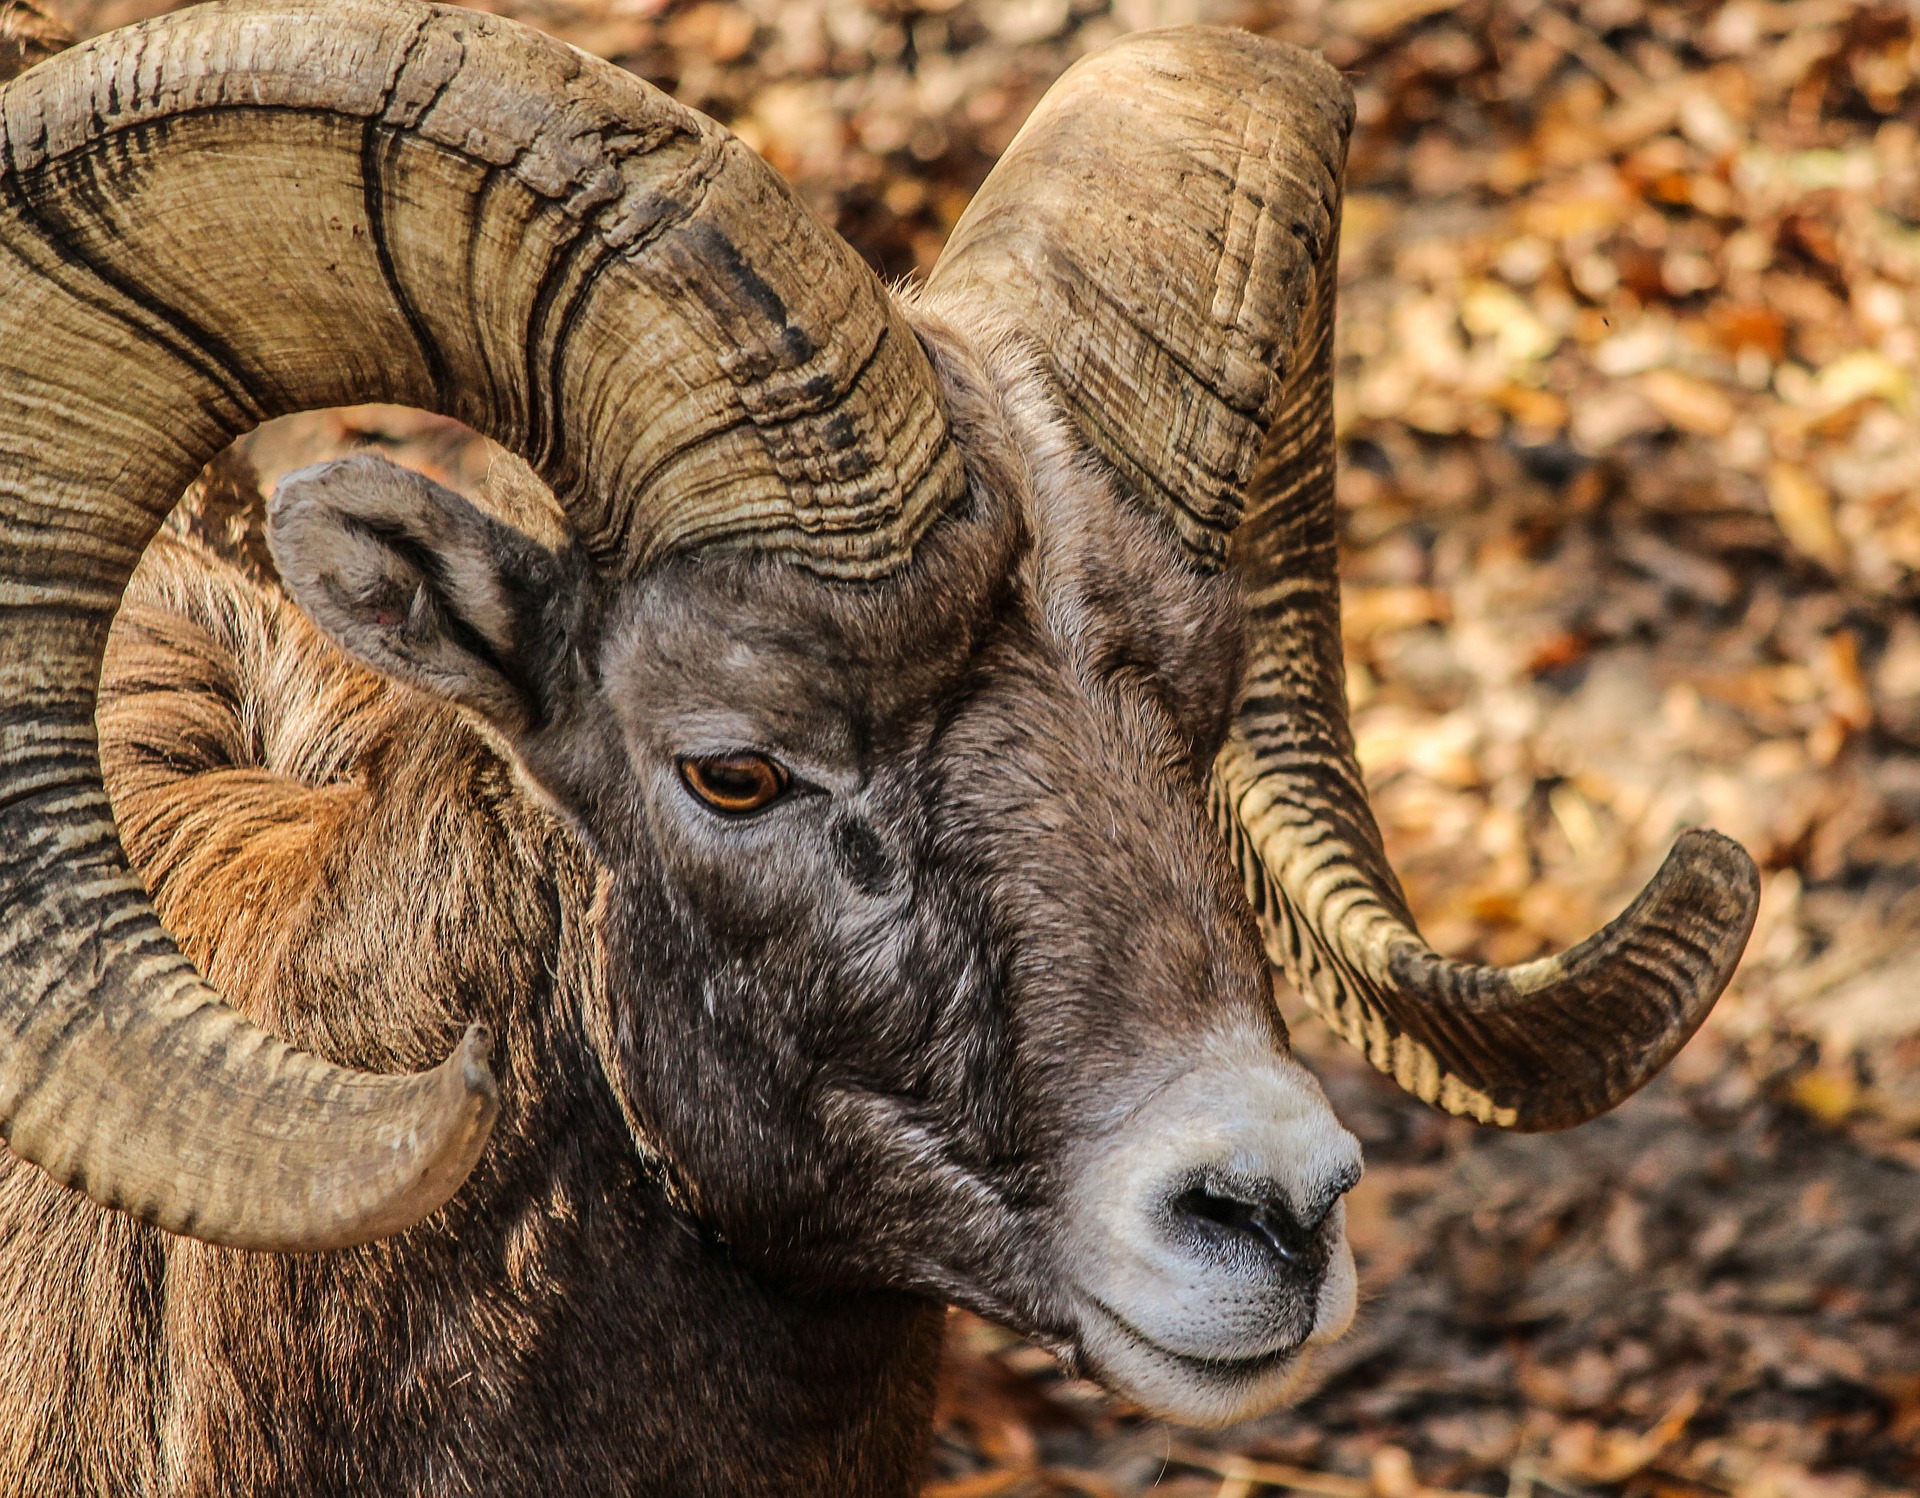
(29, 34)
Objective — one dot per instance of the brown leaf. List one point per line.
(1690, 404)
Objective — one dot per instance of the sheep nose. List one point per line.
(1266, 1222)
(1208, 1228)
(1262, 1216)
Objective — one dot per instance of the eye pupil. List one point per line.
(733, 783)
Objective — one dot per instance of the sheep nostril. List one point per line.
(1265, 1221)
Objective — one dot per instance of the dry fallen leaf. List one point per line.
(1804, 509)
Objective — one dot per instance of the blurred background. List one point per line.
(1630, 354)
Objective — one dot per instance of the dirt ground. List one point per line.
(1630, 342)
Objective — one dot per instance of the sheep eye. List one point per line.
(734, 783)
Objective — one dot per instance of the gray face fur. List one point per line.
(974, 1007)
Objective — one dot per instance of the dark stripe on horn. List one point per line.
(375, 145)
(192, 346)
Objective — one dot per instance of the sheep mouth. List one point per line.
(1221, 1369)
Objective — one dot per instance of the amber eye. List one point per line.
(734, 783)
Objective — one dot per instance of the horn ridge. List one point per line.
(1545, 1045)
(1223, 152)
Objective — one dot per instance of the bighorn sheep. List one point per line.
(824, 824)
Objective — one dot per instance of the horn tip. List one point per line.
(1714, 853)
(1715, 876)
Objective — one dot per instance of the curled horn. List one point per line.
(239, 211)
(1165, 229)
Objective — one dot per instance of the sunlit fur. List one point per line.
(772, 1088)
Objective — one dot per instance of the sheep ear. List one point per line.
(409, 577)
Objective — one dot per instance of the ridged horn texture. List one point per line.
(240, 211)
(1166, 228)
